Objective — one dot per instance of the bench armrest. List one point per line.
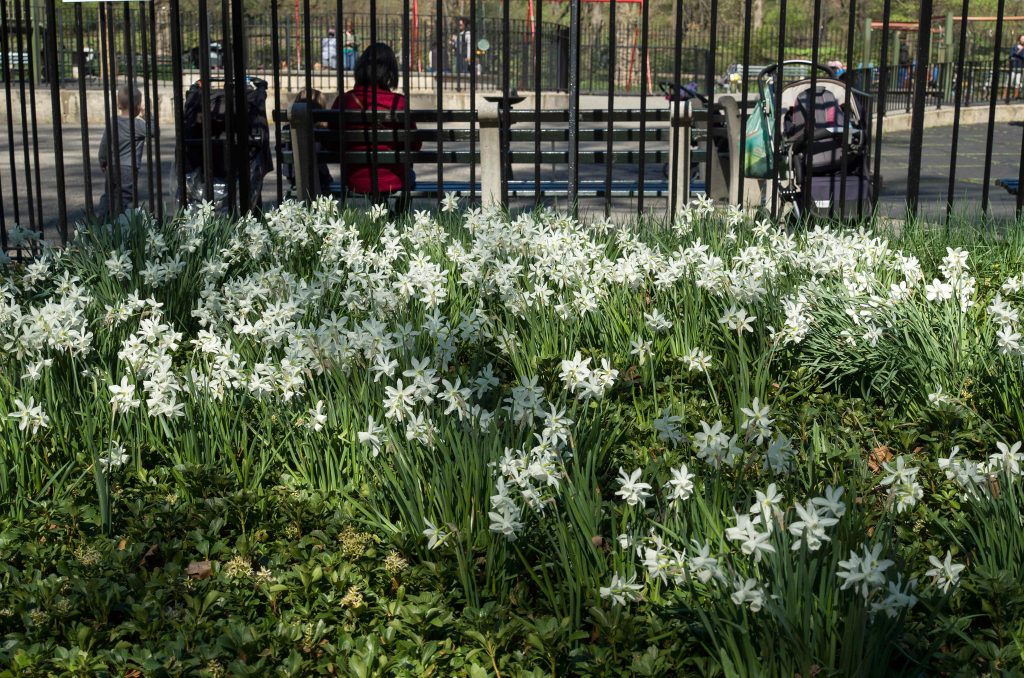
(300, 120)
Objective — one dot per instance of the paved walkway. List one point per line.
(895, 156)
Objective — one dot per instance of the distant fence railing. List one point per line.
(61, 66)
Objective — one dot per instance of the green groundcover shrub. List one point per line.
(319, 442)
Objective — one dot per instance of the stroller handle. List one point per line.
(769, 70)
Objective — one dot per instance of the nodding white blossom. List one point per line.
(114, 458)
(668, 427)
(1009, 459)
(679, 487)
(901, 479)
(715, 447)
(316, 417)
(697, 361)
(450, 202)
(641, 349)
(748, 593)
(657, 322)
(372, 436)
(898, 598)
(757, 424)
(753, 542)
(435, 535)
(945, 573)
(811, 527)
(622, 591)
(631, 489)
(765, 510)
(30, 417)
(865, 571)
(738, 320)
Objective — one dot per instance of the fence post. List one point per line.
(300, 122)
(679, 189)
(867, 45)
(491, 160)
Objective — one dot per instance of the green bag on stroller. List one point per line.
(757, 155)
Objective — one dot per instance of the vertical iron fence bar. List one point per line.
(114, 159)
(807, 182)
(990, 131)
(883, 85)
(19, 18)
(645, 28)
(439, 76)
(227, 141)
(147, 103)
(178, 100)
(33, 77)
(275, 56)
(674, 127)
(610, 145)
(204, 76)
(129, 58)
(8, 73)
(374, 186)
(537, 75)
(241, 122)
(777, 84)
(744, 98)
(472, 98)
(844, 171)
(917, 119)
(1019, 207)
(108, 121)
(506, 103)
(957, 103)
(339, 48)
(3, 218)
(58, 132)
(406, 93)
(710, 67)
(307, 48)
(574, 105)
(154, 116)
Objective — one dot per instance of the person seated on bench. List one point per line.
(376, 77)
(316, 98)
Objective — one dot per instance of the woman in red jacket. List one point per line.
(376, 76)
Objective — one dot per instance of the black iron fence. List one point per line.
(580, 109)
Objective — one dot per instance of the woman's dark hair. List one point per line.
(377, 67)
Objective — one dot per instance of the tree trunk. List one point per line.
(757, 14)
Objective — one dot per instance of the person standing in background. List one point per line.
(131, 142)
(329, 51)
(350, 45)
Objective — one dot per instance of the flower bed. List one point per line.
(319, 442)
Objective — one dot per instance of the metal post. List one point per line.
(866, 60)
(917, 118)
(997, 60)
(58, 137)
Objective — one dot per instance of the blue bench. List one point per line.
(1011, 185)
(527, 188)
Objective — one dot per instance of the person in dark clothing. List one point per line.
(132, 132)
(1016, 66)
(904, 71)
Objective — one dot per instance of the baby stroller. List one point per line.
(258, 156)
(823, 144)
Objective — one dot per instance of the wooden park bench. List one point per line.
(308, 131)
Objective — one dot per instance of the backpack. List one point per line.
(827, 112)
(826, 153)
